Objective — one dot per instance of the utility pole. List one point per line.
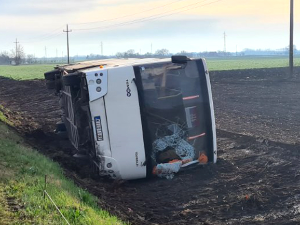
(101, 45)
(16, 42)
(67, 31)
(224, 43)
(45, 54)
(291, 38)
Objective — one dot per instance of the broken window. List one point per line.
(175, 111)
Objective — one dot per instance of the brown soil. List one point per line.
(258, 102)
(256, 180)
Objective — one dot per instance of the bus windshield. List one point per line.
(175, 107)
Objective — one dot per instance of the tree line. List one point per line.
(16, 57)
(131, 53)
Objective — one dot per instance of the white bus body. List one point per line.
(131, 114)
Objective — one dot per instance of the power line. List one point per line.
(56, 32)
(144, 19)
(51, 33)
(129, 15)
(152, 17)
(45, 39)
(182, 10)
(141, 19)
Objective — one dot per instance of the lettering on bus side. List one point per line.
(128, 89)
(137, 159)
(98, 126)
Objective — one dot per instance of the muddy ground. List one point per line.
(256, 179)
(260, 103)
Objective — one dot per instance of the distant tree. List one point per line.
(294, 47)
(128, 54)
(148, 54)
(162, 52)
(188, 54)
(4, 58)
(18, 56)
(120, 55)
(30, 58)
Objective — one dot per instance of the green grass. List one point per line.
(3, 117)
(237, 63)
(28, 72)
(22, 171)
(25, 72)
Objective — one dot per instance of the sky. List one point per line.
(189, 25)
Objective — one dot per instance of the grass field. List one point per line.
(236, 63)
(22, 171)
(27, 72)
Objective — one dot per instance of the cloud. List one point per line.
(162, 28)
(37, 8)
(247, 23)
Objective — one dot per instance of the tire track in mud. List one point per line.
(254, 182)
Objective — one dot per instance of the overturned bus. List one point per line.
(137, 117)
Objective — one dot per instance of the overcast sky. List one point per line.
(190, 25)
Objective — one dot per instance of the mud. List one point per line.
(256, 180)
(258, 102)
